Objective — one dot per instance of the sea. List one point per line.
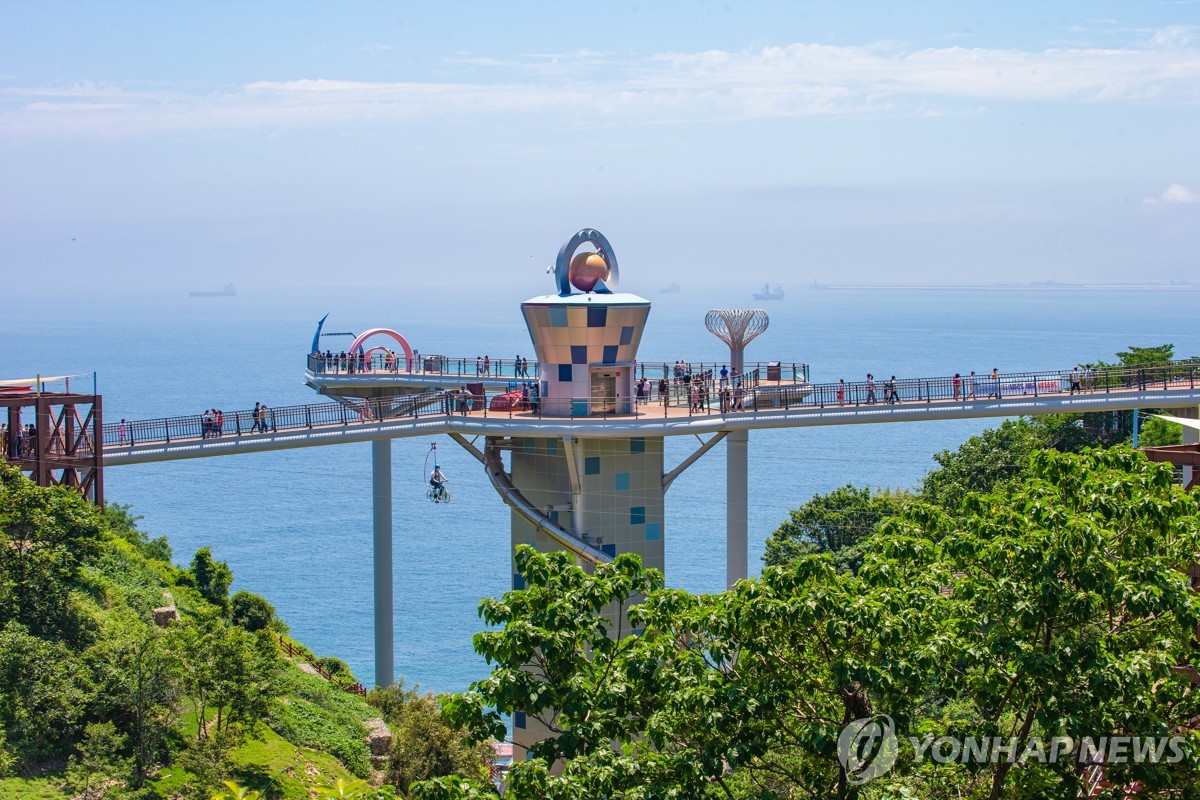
(295, 526)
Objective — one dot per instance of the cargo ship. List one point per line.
(227, 291)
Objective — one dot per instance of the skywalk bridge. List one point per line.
(670, 414)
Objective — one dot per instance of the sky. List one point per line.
(168, 146)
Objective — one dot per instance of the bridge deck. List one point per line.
(309, 426)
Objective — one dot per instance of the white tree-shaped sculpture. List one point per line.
(736, 327)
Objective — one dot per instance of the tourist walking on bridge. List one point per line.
(870, 389)
(892, 395)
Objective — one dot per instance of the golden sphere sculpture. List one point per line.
(586, 270)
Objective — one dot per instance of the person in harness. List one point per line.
(437, 479)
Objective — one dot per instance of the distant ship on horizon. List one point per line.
(226, 291)
(768, 293)
(670, 288)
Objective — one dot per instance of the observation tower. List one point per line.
(578, 454)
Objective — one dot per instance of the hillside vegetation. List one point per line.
(123, 675)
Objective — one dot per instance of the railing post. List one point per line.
(308, 416)
(167, 431)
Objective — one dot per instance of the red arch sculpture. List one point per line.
(362, 337)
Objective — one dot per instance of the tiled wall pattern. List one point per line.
(572, 334)
(622, 484)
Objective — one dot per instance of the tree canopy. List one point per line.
(1051, 604)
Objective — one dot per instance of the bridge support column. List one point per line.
(737, 485)
(381, 509)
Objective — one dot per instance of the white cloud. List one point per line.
(587, 87)
(1175, 194)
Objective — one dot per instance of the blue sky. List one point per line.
(171, 145)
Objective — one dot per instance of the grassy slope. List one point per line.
(315, 724)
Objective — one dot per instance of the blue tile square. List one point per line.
(653, 531)
(554, 517)
(579, 354)
(597, 316)
(608, 549)
(564, 373)
(637, 515)
(610, 354)
(558, 317)
(621, 482)
(552, 447)
(519, 719)
(518, 581)
(580, 408)
(591, 465)
(637, 445)
(528, 446)
(627, 334)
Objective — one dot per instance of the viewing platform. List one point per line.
(383, 373)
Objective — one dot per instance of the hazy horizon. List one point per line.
(165, 147)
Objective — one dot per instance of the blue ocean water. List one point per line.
(296, 526)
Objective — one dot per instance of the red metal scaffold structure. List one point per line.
(65, 447)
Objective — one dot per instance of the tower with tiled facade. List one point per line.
(606, 491)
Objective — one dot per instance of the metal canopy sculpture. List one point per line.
(736, 327)
(581, 272)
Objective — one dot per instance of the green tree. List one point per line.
(1157, 432)
(138, 687)
(424, 745)
(44, 694)
(98, 757)
(226, 673)
(46, 536)
(981, 464)
(739, 693)
(1069, 610)
(212, 577)
(251, 611)
(834, 523)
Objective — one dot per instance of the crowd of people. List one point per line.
(20, 442)
(390, 361)
(212, 422)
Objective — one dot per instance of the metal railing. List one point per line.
(272, 420)
(999, 386)
(700, 396)
(381, 363)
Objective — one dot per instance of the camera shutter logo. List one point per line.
(867, 748)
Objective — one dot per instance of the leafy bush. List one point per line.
(251, 611)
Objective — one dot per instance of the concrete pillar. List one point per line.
(381, 510)
(737, 486)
